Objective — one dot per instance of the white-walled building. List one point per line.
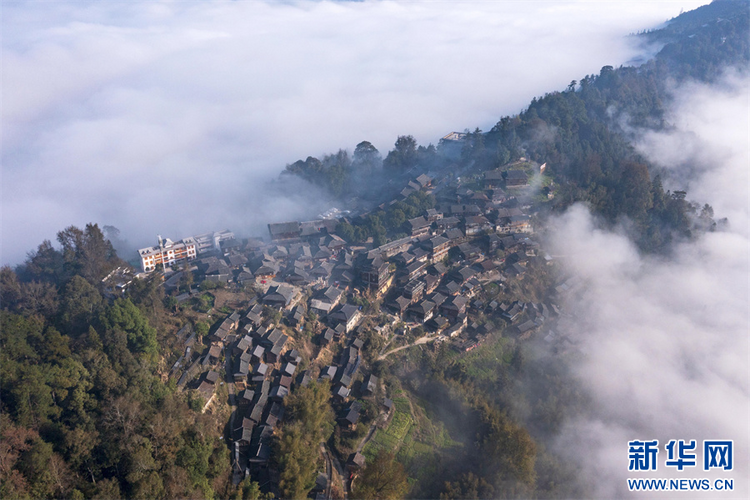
(167, 252)
(212, 241)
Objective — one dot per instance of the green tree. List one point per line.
(296, 449)
(367, 158)
(395, 218)
(346, 231)
(148, 295)
(297, 456)
(107, 489)
(149, 486)
(87, 253)
(171, 303)
(38, 298)
(34, 464)
(337, 172)
(45, 264)
(273, 315)
(123, 315)
(469, 487)
(186, 280)
(403, 156)
(509, 450)
(310, 405)
(202, 328)
(79, 304)
(10, 289)
(634, 191)
(383, 479)
(207, 285)
(251, 490)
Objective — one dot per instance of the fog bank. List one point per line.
(666, 340)
(170, 117)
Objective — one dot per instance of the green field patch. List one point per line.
(391, 438)
(385, 440)
(399, 425)
(380, 441)
(402, 405)
(419, 459)
(482, 363)
(421, 448)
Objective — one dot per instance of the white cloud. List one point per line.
(707, 152)
(666, 340)
(169, 117)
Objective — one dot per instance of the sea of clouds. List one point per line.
(666, 339)
(172, 117)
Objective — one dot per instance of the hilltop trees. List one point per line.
(403, 156)
(367, 158)
(310, 423)
(337, 173)
(583, 133)
(469, 486)
(85, 253)
(80, 301)
(91, 420)
(124, 316)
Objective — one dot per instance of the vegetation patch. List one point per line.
(482, 363)
(391, 438)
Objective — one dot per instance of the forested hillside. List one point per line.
(85, 412)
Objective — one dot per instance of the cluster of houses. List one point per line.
(426, 292)
(310, 253)
(263, 369)
(524, 318)
(430, 279)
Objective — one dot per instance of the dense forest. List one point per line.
(85, 413)
(87, 408)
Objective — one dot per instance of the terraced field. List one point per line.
(393, 436)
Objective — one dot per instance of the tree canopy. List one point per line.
(383, 479)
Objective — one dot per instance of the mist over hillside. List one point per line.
(666, 339)
(173, 118)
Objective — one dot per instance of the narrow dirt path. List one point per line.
(229, 378)
(367, 438)
(419, 341)
(342, 474)
(329, 469)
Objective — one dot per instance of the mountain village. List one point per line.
(318, 306)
